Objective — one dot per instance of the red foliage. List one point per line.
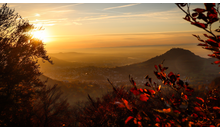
(197, 109)
(198, 24)
(135, 91)
(200, 99)
(217, 62)
(128, 119)
(144, 97)
(209, 15)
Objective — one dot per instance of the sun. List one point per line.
(41, 35)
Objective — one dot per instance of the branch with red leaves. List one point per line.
(204, 18)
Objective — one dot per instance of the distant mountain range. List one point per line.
(178, 60)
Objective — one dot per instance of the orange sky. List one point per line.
(91, 25)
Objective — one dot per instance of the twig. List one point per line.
(188, 14)
(112, 85)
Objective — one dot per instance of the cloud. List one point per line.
(64, 6)
(44, 25)
(116, 7)
(151, 33)
(61, 11)
(76, 23)
(158, 15)
(47, 22)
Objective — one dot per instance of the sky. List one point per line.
(94, 25)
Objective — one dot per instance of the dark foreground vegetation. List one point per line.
(27, 101)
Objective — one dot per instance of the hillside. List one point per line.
(178, 60)
(77, 91)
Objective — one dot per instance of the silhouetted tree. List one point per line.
(19, 70)
(51, 108)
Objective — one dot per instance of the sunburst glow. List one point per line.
(39, 35)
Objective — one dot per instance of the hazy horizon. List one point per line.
(145, 49)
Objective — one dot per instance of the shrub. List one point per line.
(154, 107)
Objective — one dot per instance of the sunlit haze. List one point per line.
(78, 26)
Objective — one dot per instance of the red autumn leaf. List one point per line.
(138, 117)
(217, 62)
(177, 111)
(198, 104)
(202, 16)
(212, 98)
(126, 104)
(157, 124)
(172, 122)
(140, 89)
(171, 73)
(144, 97)
(207, 36)
(209, 6)
(212, 42)
(216, 108)
(199, 10)
(189, 89)
(167, 110)
(157, 119)
(128, 119)
(194, 14)
(185, 97)
(135, 91)
(184, 119)
(200, 99)
(216, 52)
(139, 124)
(211, 126)
(201, 44)
(158, 75)
(160, 67)
(198, 24)
(212, 55)
(197, 109)
(151, 91)
(213, 16)
(212, 48)
(194, 115)
(162, 74)
(156, 67)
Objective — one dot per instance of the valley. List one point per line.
(79, 79)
